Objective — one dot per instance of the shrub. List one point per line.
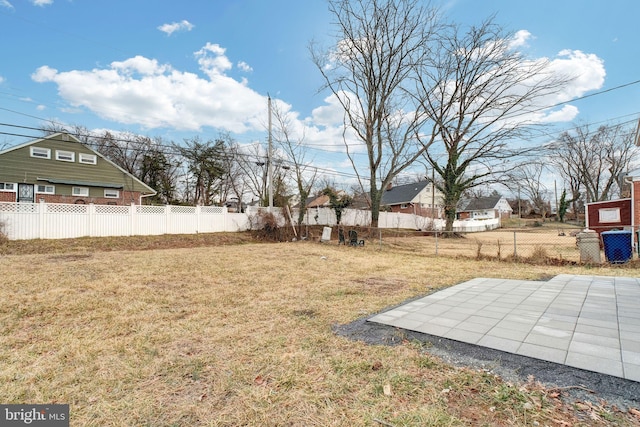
(265, 226)
(539, 255)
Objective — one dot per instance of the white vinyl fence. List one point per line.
(356, 217)
(59, 221)
(21, 221)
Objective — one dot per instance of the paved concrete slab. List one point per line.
(587, 322)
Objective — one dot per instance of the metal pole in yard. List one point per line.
(436, 243)
(515, 247)
(270, 160)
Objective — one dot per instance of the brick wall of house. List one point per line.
(415, 210)
(125, 199)
(7, 196)
(636, 203)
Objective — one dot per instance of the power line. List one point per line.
(172, 150)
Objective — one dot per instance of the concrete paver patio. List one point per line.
(587, 322)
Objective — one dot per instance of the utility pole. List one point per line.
(270, 160)
(433, 198)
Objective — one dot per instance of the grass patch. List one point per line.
(240, 334)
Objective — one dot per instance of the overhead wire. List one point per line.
(173, 150)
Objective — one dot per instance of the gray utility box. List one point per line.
(589, 245)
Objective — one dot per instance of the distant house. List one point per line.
(320, 201)
(60, 169)
(484, 208)
(418, 198)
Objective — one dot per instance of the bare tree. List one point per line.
(236, 181)
(251, 162)
(124, 149)
(371, 72)
(529, 180)
(481, 90)
(204, 163)
(293, 148)
(595, 161)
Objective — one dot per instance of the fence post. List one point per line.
(167, 213)
(91, 211)
(132, 215)
(197, 219)
(41, 209)
(436, 243)
(225, 211)
(515, 246)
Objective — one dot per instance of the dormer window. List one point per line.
(87, 159)
(43, 153)
(65, 156)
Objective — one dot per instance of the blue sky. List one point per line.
(180, 69)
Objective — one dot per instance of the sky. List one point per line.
(177, 70)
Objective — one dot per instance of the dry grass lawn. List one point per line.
(241, 335)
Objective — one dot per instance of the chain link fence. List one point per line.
(547, 244)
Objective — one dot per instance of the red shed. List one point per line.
(609, 215)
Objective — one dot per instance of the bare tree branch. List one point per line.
(370, 72)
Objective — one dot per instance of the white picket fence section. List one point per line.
(22, 221)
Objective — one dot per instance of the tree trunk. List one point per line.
(450, 216)
(375, 206)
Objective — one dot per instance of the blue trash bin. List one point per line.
(618, 246)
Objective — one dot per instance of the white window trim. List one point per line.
(115, 193)
(80, 191)
(609, 215)
(4, 188)
(45, 151)
(61, 154)
(87, 159)
(48, 189)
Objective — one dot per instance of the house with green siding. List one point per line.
(60, 169)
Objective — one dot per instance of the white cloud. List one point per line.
(566, 114)
(5, 3)
(183, 25)
(330, 114)
(41, 107)
(1, 79)
(584, 72)
(520, 39)
(245, 67)
(42, 3)
(141, 91)
(212, 60)
(140, 65)
(325, 127)
(586, 68)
